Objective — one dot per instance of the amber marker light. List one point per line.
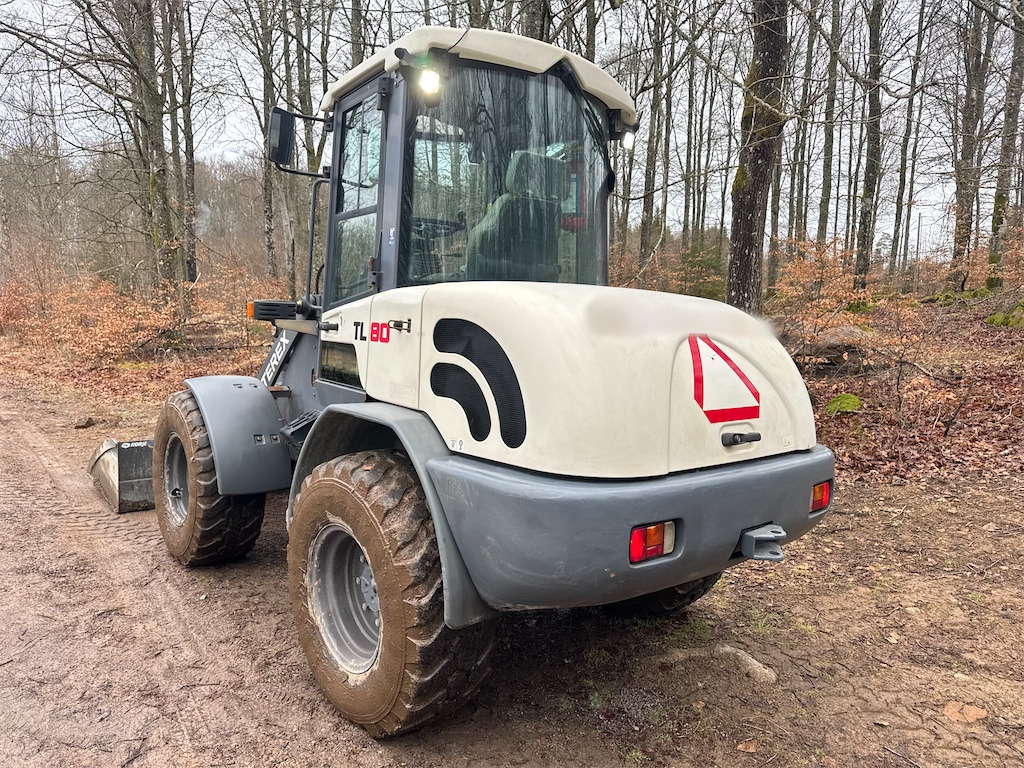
(248, 310)
(650, 541)
(821, 494)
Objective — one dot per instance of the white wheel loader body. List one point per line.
(571, 443)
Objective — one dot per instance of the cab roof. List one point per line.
(492, 47)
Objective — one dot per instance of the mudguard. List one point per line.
(243, 423)
(350, 427)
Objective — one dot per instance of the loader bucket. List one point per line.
(124, 472)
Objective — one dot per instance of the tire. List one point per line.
(199, 526)
(365, 580)
(666, 601)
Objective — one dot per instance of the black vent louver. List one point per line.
(469, 340)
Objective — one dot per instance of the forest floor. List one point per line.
(890, 636)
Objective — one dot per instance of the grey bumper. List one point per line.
(535, 541)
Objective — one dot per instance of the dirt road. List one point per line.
(903, 607)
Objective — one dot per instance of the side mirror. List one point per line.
(280, 136)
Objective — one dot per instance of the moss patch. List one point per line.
(1008, 318)
(950, 298)
(844, 403)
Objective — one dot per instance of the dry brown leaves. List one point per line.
(130, 347)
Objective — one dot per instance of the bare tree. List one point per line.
(1007, 145)
(977, 38)
(761, 126)
(873, 148)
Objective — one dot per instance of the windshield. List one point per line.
(507, 181)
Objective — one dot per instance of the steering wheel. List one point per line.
(430, 228)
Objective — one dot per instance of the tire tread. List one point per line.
(223, 528)
(444, 668)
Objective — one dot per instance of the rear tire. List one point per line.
(199, 525)
(365, 580)
(666, 601)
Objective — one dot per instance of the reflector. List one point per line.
(636, 545)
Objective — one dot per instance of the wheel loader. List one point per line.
(467, 419)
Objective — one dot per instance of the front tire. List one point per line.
(365, 580)
(199, 525)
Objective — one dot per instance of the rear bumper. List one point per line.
(535, 541)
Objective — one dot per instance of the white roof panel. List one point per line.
(492, 47)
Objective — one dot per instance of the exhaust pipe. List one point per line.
(124, 472)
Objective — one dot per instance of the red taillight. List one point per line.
(820, 495)
(647, 541)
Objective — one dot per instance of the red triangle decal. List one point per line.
(720, 415)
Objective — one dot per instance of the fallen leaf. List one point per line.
(893, 638)
(959, 712)
(747, 746)
(990, 527)
(698, 704)
(882, 723)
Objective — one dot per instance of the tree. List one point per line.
(138, 55)
(761, 127)
(1007, 144)
(908, 130)
(977, 37)
(873, 148)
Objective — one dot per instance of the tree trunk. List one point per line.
(835, 39)
(535, 18)
(803, 131)
(911, 180)
(761, 126)
(873, 149)
(187, 42)
(165, 237)
(357, 48)
(849, 239)
(590, 40)
(774, 244)
(647, 218)
(6, 262)
(1007, 147)
(978, 39)
(908, 130)
(265, 55)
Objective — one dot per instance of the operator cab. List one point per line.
(451, 165)
(500, 178)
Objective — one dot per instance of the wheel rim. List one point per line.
(343, 593)
(176, 481)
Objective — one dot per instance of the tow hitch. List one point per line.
(764, 543)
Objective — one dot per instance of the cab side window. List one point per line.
(355, 215)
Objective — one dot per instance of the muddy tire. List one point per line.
(365, 580)
(667, 601)
(199, 526)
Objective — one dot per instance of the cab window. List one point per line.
(354, 221)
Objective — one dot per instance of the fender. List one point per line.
(350, 427)
(243, 423)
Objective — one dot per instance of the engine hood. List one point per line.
(589, 381)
